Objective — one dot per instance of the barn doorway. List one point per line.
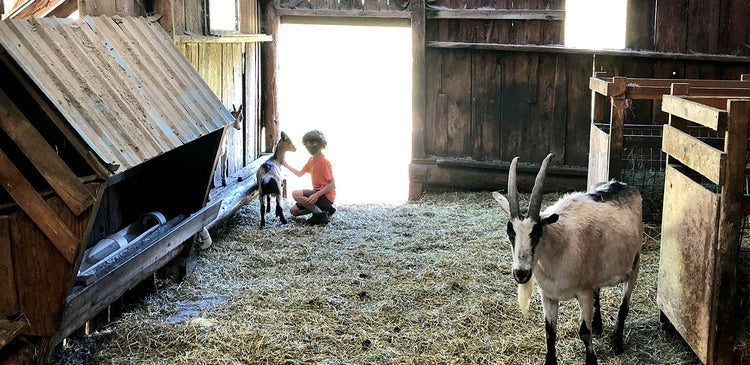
(353, 83)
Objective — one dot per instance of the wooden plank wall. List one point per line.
(221, 66)
(370, 5)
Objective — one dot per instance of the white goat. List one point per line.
(584, 242)
(269, 179)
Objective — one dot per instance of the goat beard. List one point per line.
(525, 291)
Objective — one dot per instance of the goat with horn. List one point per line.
(583, 242)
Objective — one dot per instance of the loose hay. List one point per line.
(419, 283)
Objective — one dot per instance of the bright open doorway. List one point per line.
(353, 83)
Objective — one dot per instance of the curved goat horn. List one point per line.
(515, 211)
(535, 203)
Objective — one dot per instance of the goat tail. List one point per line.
(525, 291)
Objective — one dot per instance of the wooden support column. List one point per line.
(164, 8)
(616, 126)
(418, 89)
(269, 100)
(721, 341)
(9, 298)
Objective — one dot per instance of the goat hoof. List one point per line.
(591, 359)
(617, 346)
(597, 330)
(550, 360)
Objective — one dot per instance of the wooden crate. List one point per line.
(702, 218)
(608, 139)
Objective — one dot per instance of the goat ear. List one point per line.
(551, 219)
(284, 137)
(503, 202)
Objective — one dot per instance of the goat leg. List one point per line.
(622, 312)
(597, 324)
(586, 302)
(279, 211)
(262, 211)
(268, 203)
(550, 307)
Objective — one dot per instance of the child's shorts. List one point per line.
(323, 203)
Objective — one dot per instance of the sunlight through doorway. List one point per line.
(353, 83)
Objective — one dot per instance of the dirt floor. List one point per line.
(419, 283)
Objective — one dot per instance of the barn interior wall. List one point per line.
(490, 105)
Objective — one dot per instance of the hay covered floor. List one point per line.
(419, 283)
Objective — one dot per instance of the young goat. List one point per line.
(269, 179)
(584, 242)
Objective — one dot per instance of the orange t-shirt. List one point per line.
(320, 173)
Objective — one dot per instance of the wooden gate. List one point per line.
(701, 222)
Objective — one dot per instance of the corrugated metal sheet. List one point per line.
(121, 83)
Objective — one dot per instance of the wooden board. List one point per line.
(457, 87)
(708, 161)
(687, 256)
(9, 298)
(10, 330)
(598, 157)
(43, 276)
(695, 112)
(486, 97)
(578, 69)
(703, 22)
(671, 26)
(57, 173)
(42, 214)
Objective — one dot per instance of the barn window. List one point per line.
(223, 16)
(595, 24)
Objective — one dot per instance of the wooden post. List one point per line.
(164, 8)
(721, 342)
(269, 113)
(616, 126)
(418, 89)
(597, 102)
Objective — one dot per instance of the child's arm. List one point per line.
(293, 170)
(330, 186)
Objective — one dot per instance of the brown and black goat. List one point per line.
(583, 242)
(269, 179)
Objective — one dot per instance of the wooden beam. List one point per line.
(600, 86)
(419, 77)
(708, 161)
(10, 330)
(9, 298)
(496, 14)
(269, 92)
(64, 9)
(617, 125)
(571, 50)
(37, 209)
(708, 116)
(234, 38)
(344, 13)
(57, 173)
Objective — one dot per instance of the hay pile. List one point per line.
(419, 283)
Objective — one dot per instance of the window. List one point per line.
(595, 24)
(223, 16)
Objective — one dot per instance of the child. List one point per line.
(319, 200)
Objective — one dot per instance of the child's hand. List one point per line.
(312, 199)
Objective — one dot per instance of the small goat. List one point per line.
(584, 242)
(269, 179)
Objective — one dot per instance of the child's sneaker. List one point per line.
(331, 211)
(318, 218)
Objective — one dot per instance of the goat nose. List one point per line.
(522, 276)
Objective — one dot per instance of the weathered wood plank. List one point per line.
(37, 209)
(708, 161)
(178, 17)
(194, 19)
(234, 38)
(496, 14)
(671, 26)
(616, 126)
(703, 23)
(419, 77)
(9, 299)
(10, 330)
(54, 170)
(694, 111)
(579, 110)
(598, 157)
(688, 244)
(457, 87)
(639, 30)
(721, 340)
(600, 86)
(486, 96)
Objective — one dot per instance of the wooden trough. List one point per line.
(703, 209)
(610, 133)
(105, 129)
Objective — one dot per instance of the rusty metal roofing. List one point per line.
(120, 82)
